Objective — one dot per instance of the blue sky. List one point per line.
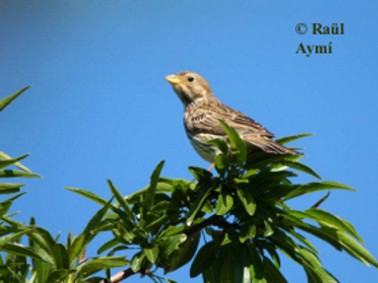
(99, 106)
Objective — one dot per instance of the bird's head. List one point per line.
(190, 87)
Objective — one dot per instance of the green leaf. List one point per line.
(152, 254)
(261, 160)
(256, 268)
(21, 250)
(7, 100)
(272, 250)
(89, 195)
(337, 239)
(204, 256)
(17, 174)
(61, 257)
(247, 201)
(4, 156)
(58, 276)
(236, 142)
(315, 187)
(200, 174)
(221, 163)
(312, 264)
(122, 201)
(10, 188)
(268, 229)
(250, 173)
(77, 247)
(331, 220)
(230, 269)
(95, 221)
(107, 245)
(41, 239)
(355, 249)
(301, 238)
(185, 253)
(293, 218)
(172, 243)
(272, 272)
(197, 205)
(320, 201)
(80, 242)
(288, 139)
(150, 193)
(4, 162)
(137, 261)
(14, 236)
(162, 187)
(247, 232)
(220, 144)
(5, 205)
(301, 167)
(93, 265)
(224, 204)
(282, 242)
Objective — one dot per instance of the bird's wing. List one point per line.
(205, 119)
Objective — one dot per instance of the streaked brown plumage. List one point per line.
(202, 114)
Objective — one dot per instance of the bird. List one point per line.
(203, 111)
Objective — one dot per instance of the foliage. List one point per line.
(42, 258)
(242, 213)
(233, 224)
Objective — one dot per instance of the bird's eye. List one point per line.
(190, 78)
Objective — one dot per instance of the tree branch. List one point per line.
(118, 277)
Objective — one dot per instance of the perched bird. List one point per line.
(202, 112)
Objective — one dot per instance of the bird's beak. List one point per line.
(172, 79)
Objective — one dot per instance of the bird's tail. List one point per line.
(270, 146)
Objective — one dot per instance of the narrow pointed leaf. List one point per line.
(10, 188)
(61, 256)
(18, 249)
(315, 187)
(310, 261)
(301, 167)
(288, 139)
(236, 142)
(121, 200)
(150, 194)
(13, 237)
(94, 265)
(196, 206)
(256, 268)
(331, 220)
(7, 100)
(89, 195)
(4, 162)
(204, 256)
(17, 174)
(58, 276)
(273, 273)
(356, 250)
(5, 156)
